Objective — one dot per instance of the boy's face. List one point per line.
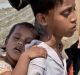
(16, 43)
(61, 21)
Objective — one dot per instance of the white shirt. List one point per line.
(50, 66)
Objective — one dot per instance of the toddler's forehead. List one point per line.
(22, 29)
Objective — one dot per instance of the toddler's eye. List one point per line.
(16, 38)
(28, 41)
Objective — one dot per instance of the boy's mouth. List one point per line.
(74, 28)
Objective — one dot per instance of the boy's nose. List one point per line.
(74, 18)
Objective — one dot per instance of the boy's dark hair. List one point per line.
(18, 4)
(43, 6)
(40, 29)
(27, 25)
(38, 6)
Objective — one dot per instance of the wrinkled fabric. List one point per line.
(4, 67)
(50, 66)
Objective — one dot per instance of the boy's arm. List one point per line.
(37, 66)
(35, 70)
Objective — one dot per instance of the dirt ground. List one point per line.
(2, 1)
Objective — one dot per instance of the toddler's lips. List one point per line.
(18, 50)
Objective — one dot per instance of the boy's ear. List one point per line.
(41, 18)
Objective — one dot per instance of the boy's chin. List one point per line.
(69, 35)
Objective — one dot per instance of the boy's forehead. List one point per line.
(68, 2)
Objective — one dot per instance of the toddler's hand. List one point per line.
(35, 52)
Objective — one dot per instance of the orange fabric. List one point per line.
(70, 70)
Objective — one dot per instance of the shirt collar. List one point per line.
(51, 53)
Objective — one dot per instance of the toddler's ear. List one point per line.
(18, 4)
(3, 47)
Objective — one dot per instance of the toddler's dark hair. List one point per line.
(27, 25)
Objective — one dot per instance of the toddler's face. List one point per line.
(16, 42)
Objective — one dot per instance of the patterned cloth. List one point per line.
(4, 67)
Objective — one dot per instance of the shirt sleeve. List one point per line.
(35, 70)
(37, 67)
(4, 67)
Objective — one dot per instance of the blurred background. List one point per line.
(10, 16)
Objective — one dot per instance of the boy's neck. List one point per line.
(54, 42)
